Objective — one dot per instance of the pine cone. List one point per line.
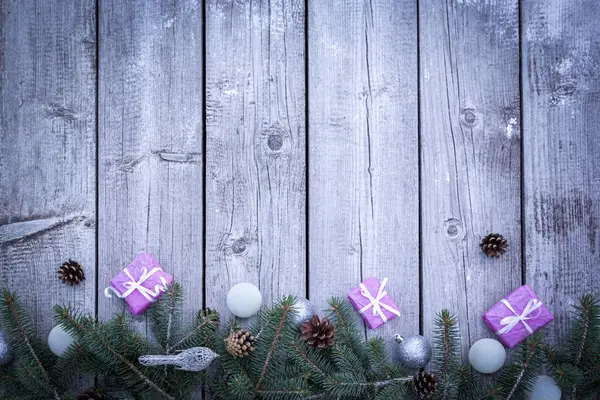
(318, 333)
(71, 272)
(494, 245)
(90, 394)
(240, 343)
(425, 384)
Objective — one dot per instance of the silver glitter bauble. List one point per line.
(194, 359)
(303, 311)
(414, 352)
(6, 355)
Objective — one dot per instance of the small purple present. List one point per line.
(141, 283)
(372, 302)
(517, 316)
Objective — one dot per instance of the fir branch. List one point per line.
(100, 338)
(519, 376)
(446, 341)
(341, 320)
(517, 382)
(379, 361)
(203, 322)
(588, 314)
(346, 360)
(12, 307)
(166, 316)
(70, 320)
(304, 358)
(587, 305)
(285, 388)
(343, 314)
(387, 382)
(286, 306)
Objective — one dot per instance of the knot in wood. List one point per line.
(469, 116)
(238, 246)
(454, 228)
(275, 142)
(561, 93)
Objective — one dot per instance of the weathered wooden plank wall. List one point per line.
(470, 157)
(150, 142)
(561, 99)
(47, 152)
(363, 149)
(255, 148)
(363, 155)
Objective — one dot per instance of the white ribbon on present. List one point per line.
(375, 302)
(132, 285)
(512, 320)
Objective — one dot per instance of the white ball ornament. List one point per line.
(244, 300)
(487, 355)
(59, 340)
(544, 389)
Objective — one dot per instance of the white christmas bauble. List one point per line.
(544, 389)
(244, 300)
(59, 340)
(487, 355)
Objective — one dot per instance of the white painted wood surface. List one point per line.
(561, 100)
(150, 143)
(470, 157)
(363, 154)
(47, 152)
(255, 149)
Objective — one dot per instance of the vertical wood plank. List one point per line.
(150, 142)
(363, 154)
(561, 99)
(47, 152)
(470, 157)
(255, 148)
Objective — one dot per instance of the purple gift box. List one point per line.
(517, 316)
(372, 302)
(140, 284)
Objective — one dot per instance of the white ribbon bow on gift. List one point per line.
(134, 285)
(512, 320)
(375, 302)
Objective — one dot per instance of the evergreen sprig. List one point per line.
(576, 368)
(518, 378)
(282, 366)
(30, 375)
(446, 355)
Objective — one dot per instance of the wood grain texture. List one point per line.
(47, 152)
(255, 148)
(150, 142)
(470, 157)
(363, 155)
(561, 99)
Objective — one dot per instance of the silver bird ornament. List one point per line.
(194, 359)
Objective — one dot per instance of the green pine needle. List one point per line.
(518, 378)
(34, 361)
(281, 366)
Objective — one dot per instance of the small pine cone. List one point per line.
(318, 333)
(425, 384)
(494, 245)
(90, 394)
(71, 272)
(240, 343)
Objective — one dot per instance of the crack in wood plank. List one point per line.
(189, 158)
(26, 229)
